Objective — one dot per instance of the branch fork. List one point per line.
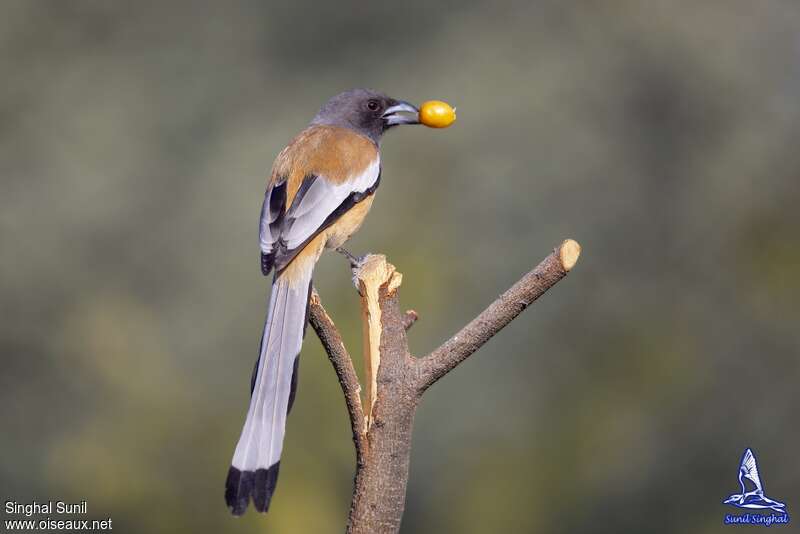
(396, 380)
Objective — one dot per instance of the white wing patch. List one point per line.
(307, 214)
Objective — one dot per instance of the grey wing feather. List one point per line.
(271, 220)
(289, 228)
(308, 214)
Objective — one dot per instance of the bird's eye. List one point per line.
(373, 105)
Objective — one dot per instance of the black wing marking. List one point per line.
(272, 216)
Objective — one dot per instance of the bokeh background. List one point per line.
(135, 139)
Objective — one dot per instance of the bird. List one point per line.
(320, 189)
(748, 475)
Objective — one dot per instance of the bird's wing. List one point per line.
(271, 214)
(318, 203)
(749, 468)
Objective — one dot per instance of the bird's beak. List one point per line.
(401, 113)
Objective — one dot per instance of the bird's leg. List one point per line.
(355, 263)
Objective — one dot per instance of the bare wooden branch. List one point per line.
(498, 314)
(396, 381)
(380, 488)
(332, 342)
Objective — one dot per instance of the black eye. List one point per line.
(373, 105)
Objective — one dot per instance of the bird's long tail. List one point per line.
(254, 469)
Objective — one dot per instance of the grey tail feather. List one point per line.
(254, 470)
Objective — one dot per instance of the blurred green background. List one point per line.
(135, 139)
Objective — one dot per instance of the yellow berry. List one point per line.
(437, 114)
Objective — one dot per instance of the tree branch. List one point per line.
(409, 319)
(498, 314)
(380, 486)
(343, 365)
(396, 381)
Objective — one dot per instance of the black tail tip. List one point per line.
(260, 484)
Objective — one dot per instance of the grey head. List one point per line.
(367, 112)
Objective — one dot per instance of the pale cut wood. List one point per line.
(568, 254)
(373, 272)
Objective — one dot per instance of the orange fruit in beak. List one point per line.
(436, 114)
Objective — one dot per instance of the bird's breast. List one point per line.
(348, 223)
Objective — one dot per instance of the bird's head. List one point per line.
(368, 112)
